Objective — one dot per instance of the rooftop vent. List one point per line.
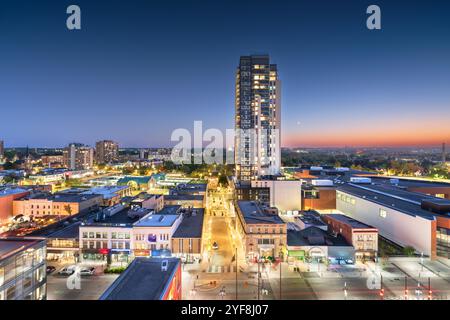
(441, 206)
(164, 265)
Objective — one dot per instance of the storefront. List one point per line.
(295, 255)
(141, 253)
(120, 256)
(95, 256)
(63, 250)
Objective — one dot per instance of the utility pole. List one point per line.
(280, 278)
(430, 293)
(381, 288)
(406, 288)
(236, 256)
(258, 278)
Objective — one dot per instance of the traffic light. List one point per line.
(382, 293)
(430, 294)
(406, 294)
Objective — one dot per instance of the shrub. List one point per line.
(116, 270)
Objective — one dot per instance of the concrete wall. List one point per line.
(284, 194)
(399, 227)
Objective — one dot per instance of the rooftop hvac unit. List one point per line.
(322, 182)
(360, 180)
(441, 206)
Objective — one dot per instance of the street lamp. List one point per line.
(193, 292)
(345, 290)
(222, 292)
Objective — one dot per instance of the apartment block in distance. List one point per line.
(106, 151)
(22, 269)
(78, 157)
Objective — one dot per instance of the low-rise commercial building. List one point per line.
(148, 279)
(22, 269)
(185, 200)
(58, 204)
(262, 231)
(319, 195)
(403, 217)
(187, 239)
(107, 239)
(111, 194)
(153, 233)
(363, 237)
(7, 197)
(149, 201)
(317, 245)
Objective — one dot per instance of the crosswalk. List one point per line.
(221, 269)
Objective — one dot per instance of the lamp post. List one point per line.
(281, 264)
(236, 256)
(406, 288)
(222, 292)
(345, 290)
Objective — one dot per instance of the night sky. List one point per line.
(139, 69)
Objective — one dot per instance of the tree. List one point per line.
(223, 181)
(409, 251)
(68, 209)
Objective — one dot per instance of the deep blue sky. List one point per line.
(139, 69)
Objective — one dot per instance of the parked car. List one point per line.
(67, 271)
(87, 271)
(349, 261)
(50, 269)
(215, 246)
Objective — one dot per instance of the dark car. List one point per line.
(50, 269)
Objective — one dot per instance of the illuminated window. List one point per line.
(383, 213)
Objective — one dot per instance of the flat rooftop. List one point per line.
(312, 218)
(405, 182)
(157, 220)
(254, 213)
(191, 226)
(313, 236)
(10, 191)
(192, 197)
(398, 200)
(142, 280)
(10, 246)
(355, 224)
(172, 209)
(64, 232)
(106, 191)
(62, 197)
(120, 218)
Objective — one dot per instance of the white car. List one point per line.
(67, 271)
(87, 271)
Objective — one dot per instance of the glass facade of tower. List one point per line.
(22, 269)
(257, 121)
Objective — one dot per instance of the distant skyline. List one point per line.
(140, 69)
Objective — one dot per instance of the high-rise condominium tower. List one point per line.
(257, 119)
(2, 149)
(106, 151)
(78, 157)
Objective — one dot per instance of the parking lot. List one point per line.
(90, 287)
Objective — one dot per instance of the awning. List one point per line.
(296, 253)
